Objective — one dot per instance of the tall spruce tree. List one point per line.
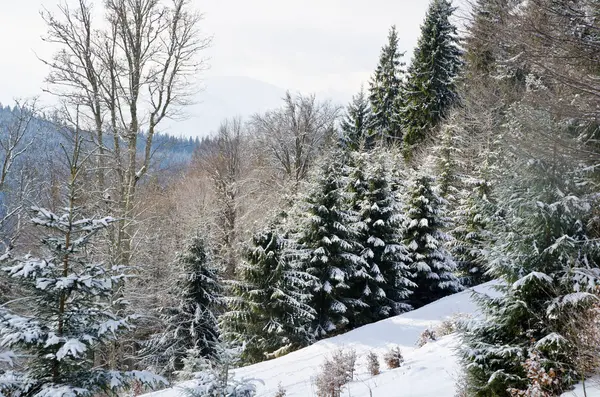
(191, 324)
(328, 250)
(384, 91)
(69, 317)
(431, 265)
(268, 309)
(357, 123)
(548, 259)
(383, 283)
(430, 89)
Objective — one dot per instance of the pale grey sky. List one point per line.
(328, 47)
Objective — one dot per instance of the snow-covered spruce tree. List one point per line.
(69, 316)
(357, 123)
(382, 284)
(549, 263)
(447, 155)
(267, 309)
(470, 232)
(327, 249)
(190, 324)
(384, 88)
(430, 89)
(431, 265)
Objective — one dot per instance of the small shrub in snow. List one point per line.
(335, 373)
(450, 325)
(393, 358)
(281, 392)
(373, 364)
(429, 335)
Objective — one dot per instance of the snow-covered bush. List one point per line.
(336, 372)
(393, 357)
(280, 391)
(451, 324)
(373, 364)
(429, 335)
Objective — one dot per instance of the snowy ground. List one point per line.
(592, 389)
(428, 371)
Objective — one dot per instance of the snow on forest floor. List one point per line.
(431, 370)
(592, 389)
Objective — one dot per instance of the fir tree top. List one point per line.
(357, 123)
(431, 85)
(385, 87)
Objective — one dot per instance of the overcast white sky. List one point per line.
(323, 46)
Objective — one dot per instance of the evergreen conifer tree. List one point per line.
(383, 284)
(548, 260)
(431, 265)
(384, 91)
(446, 155)
(69, 317)
(191, 324)
(357, 123)
(470, 235)
(328, 250)
(268, 309)
(430, 89)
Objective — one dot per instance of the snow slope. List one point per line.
(428, 371)
(592, 389)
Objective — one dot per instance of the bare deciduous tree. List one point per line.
(138, 70)
(14, 140)
(224, 166)
(295, 134)
(16, 137)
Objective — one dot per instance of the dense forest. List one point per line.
(131, 259)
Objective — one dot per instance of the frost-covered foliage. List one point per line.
(446, 158)
(429, 335)
(69, 316)
(213, 377)
(430, 89)
(393, 358)
(268, 309)
(382, 284)
(328, 250)
(357, 123)
(190, 324)
(470, 234)
(549, 263)
(451, 324)
(541, 382)
(336, 372)
(432, 266)
(384, 91)
(373, 364)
